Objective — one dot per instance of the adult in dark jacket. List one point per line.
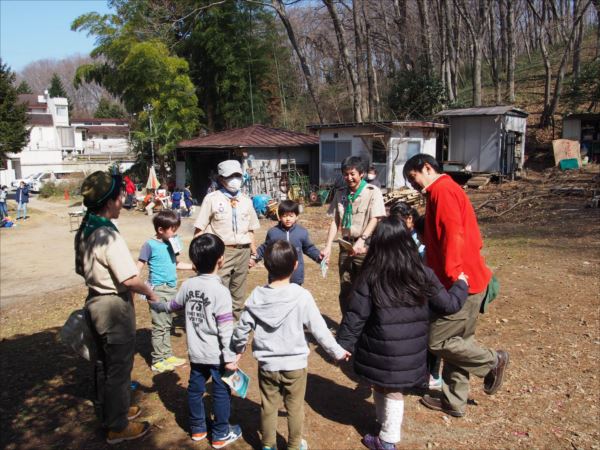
(288, 230)
(386, 326)
(22, 198)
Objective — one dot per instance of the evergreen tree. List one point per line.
(56, 87)
(416, 95)
(24, 88)
(108, 109)
(14, 134)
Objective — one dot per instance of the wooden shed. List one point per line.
(585, 128)
(488, 139)
(385, 144)
(259, 149)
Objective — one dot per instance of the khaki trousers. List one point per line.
(161, 325)
(291, 386)
(234, 274)
(349, 268)
(453, 339)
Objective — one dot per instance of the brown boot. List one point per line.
(133, 430)
(134, 412)
(493, 380)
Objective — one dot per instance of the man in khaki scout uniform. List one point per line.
(229, 214)
(356, 209)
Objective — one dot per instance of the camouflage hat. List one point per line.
(98, 187)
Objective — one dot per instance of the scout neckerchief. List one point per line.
(94, 222)
(347, 219)
(233, 201)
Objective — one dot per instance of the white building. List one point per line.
(387, 145)
(58, 146)
(488, 139)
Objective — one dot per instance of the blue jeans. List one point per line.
(21, 207)
(221, 400)
(3, 210)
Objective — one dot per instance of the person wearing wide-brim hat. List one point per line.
(104, 261)
(229, 214)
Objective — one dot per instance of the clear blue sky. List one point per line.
(41, 29)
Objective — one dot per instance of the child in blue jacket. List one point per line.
(297, 235)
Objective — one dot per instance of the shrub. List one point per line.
(51, 189)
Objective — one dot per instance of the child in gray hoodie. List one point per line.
(278, 314)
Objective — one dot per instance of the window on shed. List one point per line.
(413, 148)
(328, 151)
(62, 111)
(379, 152)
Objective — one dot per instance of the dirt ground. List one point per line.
(545, 252)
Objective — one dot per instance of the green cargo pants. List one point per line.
(291, 386)
(453, 339)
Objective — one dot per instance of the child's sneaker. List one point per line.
(175, 361)
(435, 384)
(133, 412)
(374, 443)
(303, 444)
(199, 436)
(133, 430)
(162, 366)
(269, 447)
(235, 432)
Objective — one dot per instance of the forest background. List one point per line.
(199, 66)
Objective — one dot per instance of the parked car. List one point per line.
(27, 180)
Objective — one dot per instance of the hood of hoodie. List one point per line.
(272, 305)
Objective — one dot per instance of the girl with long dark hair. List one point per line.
(386, 326)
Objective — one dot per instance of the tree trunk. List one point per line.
(510, 33)
(359, 56)
(503, 36)
(477, 28)
(494, 57)
(373, 89)
(278, 5)
(400, 20)
(540, 25)
(426, 35)
(547, 118)
(577, 47)
(451, 52)
(388, 38)
(345, 57)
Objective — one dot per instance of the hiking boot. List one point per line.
(235, 432)
(374, 443)
(162, 366)
(175, 361)
(199, 436)
(493, 380)
(438, 405)
(134, 412)
(132, 431)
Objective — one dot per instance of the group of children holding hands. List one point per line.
(391, 299)
(390, 308)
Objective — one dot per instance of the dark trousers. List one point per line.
(349, 268)
(221, 400)
(112, 320)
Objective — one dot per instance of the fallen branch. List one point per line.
(520, 202)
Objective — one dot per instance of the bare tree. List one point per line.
(477, 30)
(345, 57)
(493, 62)
(279, 7)
(511, 51)
(426, 35)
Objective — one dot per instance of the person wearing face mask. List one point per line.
(372, 177)
(229, 214)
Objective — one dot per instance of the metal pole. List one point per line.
(148, 108)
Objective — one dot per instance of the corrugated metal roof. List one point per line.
(484, 111)
(387, 125)
(255, 136)
(584, 116)
(40, 120)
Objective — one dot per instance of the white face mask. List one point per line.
(371, 177)
(232, 184)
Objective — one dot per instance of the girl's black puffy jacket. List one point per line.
(390, 344)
